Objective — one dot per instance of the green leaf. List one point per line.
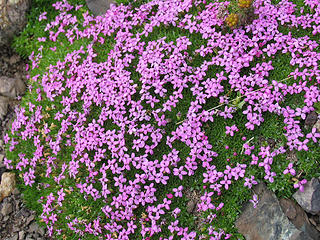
(317, 107)
(240, 105)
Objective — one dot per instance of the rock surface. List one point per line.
(3, 106)
(12, 78)
(8, 184)
(311, 119)
(267, 221)
(309, 199)
(99, 7)
(11, 87)
(191, 206)
(11, 65)
(299, 218)
(17, 222)
(317, 125)
(2, 170)
(12, 18)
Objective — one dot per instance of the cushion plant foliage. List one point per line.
(130, 114)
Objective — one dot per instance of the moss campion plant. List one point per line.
(132, 114)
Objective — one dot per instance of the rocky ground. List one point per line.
(16, 221)
(282, 219)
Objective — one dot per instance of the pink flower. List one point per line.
(42, 39)
(226, 182)
(290, 170)
(231, 130)
(269, 176)
(179, 172)
(313, 135)
(249, 181)
(300, 184)
(170, 195)
(6, 138)
(254, 200)
(43, 16)
(178, 191)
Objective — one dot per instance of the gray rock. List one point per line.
(3, 106)
(11, 87)
(6, 209)
(191, 206)
(29, 220)
(301, 236)
(299, 218)
(15, 228)
(99, 7)
(21, 235)
(311, 119)
(41, 231)
(317, 125)
(14, 59)
(14, 237)
(16, 191)
(8, 184)
(1, 158)
(29, 237)
(312, 221)
(33, 227)
(2, 170)
(23, 212)
(12, 18)
(267, 220)
(17, 204)
(9, 123)
(290, 209)
(309, 199)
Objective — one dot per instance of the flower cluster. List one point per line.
(107, 146)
